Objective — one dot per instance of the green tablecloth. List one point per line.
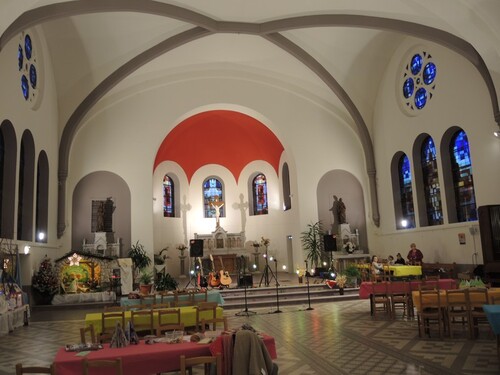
(212, 296)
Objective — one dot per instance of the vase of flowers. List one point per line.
(341, 282)
(265, 241)
(349, 247)
(181, 247)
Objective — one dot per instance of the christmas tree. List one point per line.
(45, 281)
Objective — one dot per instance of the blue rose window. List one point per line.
(27, 65)
(418, 83)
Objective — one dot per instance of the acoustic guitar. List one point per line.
(202, 280)
(213, 277)
(224, 278)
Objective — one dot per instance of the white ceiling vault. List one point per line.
(334, 50)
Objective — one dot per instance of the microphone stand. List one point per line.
(277, 284)
(308, 293)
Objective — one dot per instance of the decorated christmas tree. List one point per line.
(45, 281)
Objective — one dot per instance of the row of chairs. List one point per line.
(143, 320)
(462, 309)
(115, 365)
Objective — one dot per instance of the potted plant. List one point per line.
(140, 258)
(312, 243)
(165, 282)
(353, 274)
(341, 282)
(145, 282)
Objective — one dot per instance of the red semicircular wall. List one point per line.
(228, 138)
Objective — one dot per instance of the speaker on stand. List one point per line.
(330, 244)
(195, 251)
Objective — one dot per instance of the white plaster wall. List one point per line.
(126, 129)
(43, 123)
(460, 99)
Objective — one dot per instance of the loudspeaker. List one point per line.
(246, 280)
(195, 248)
(330, 242)
(489, 227)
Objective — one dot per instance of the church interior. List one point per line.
(218, 133)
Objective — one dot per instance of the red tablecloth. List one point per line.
(365, 288)
(140, 359)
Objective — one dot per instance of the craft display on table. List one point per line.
(118, 340)
(83, 347)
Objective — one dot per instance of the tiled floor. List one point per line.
(334, 338)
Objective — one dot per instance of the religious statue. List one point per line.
(341, 212)
(216, 205)
(338, 210)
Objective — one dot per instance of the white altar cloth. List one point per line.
(13, 319)
(60, 299)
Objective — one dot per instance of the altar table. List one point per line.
(212, 296)
(141, 359)
(365, 288)
(399, 270)
(188, 317)
(13, 319)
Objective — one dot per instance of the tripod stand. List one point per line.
(245, 312)
(265, 275)
(277, 290)
(331, 270)
(192, 279)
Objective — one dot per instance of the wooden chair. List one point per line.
(108, 324)
(379, 298)
(89, 329)
(207, 361)
(206, 323)
(20, 369)
(160, 306)
(114, 308)
(184, 298)
(477, 317)
(166, 324)
(110, 364)
(386, 274)
(205, 308)
(402, 299)
(457, 311)
(143, 322)
(430, 313)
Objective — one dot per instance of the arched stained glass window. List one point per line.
(432, 188)
(259, 188)
(287, 198)
(168, 197)
(212, 191)
(406, 193)
(461, 165)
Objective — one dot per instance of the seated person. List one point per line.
(415, 256)
(390, 260)
(376, 267)
(399, 260)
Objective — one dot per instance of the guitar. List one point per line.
(213, 277)
(202, 280)
(224, 278)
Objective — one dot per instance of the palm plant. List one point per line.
(312, 242)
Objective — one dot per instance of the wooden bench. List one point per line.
(444, 270)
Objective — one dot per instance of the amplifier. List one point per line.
(246, 280)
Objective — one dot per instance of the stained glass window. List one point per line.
(418, 81)
(29, 68)
(406, 193)
(461, 165)
(212, 191)
(431, 183)
(259, 188)
(168, 197)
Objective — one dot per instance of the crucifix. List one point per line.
(216, 204)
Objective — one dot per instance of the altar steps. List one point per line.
(234, 298)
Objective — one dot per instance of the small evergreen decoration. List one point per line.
(45, 281)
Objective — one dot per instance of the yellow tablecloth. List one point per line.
(401, 271)
(492, 292)
(188, 317)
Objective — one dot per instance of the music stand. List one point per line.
(308, 293)
(277, 291)
(265, 274)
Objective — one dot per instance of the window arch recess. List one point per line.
(458, 176)
(213, 190)
(402, 181)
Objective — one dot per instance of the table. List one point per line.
(188, 317)
(212, 296)
(60, 299)
(141, 358)
(365, 288)
(493, 315)
(492, 292)
(13, 319)
(398, 270)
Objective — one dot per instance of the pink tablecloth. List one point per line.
(365, 288)
(140, 359)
